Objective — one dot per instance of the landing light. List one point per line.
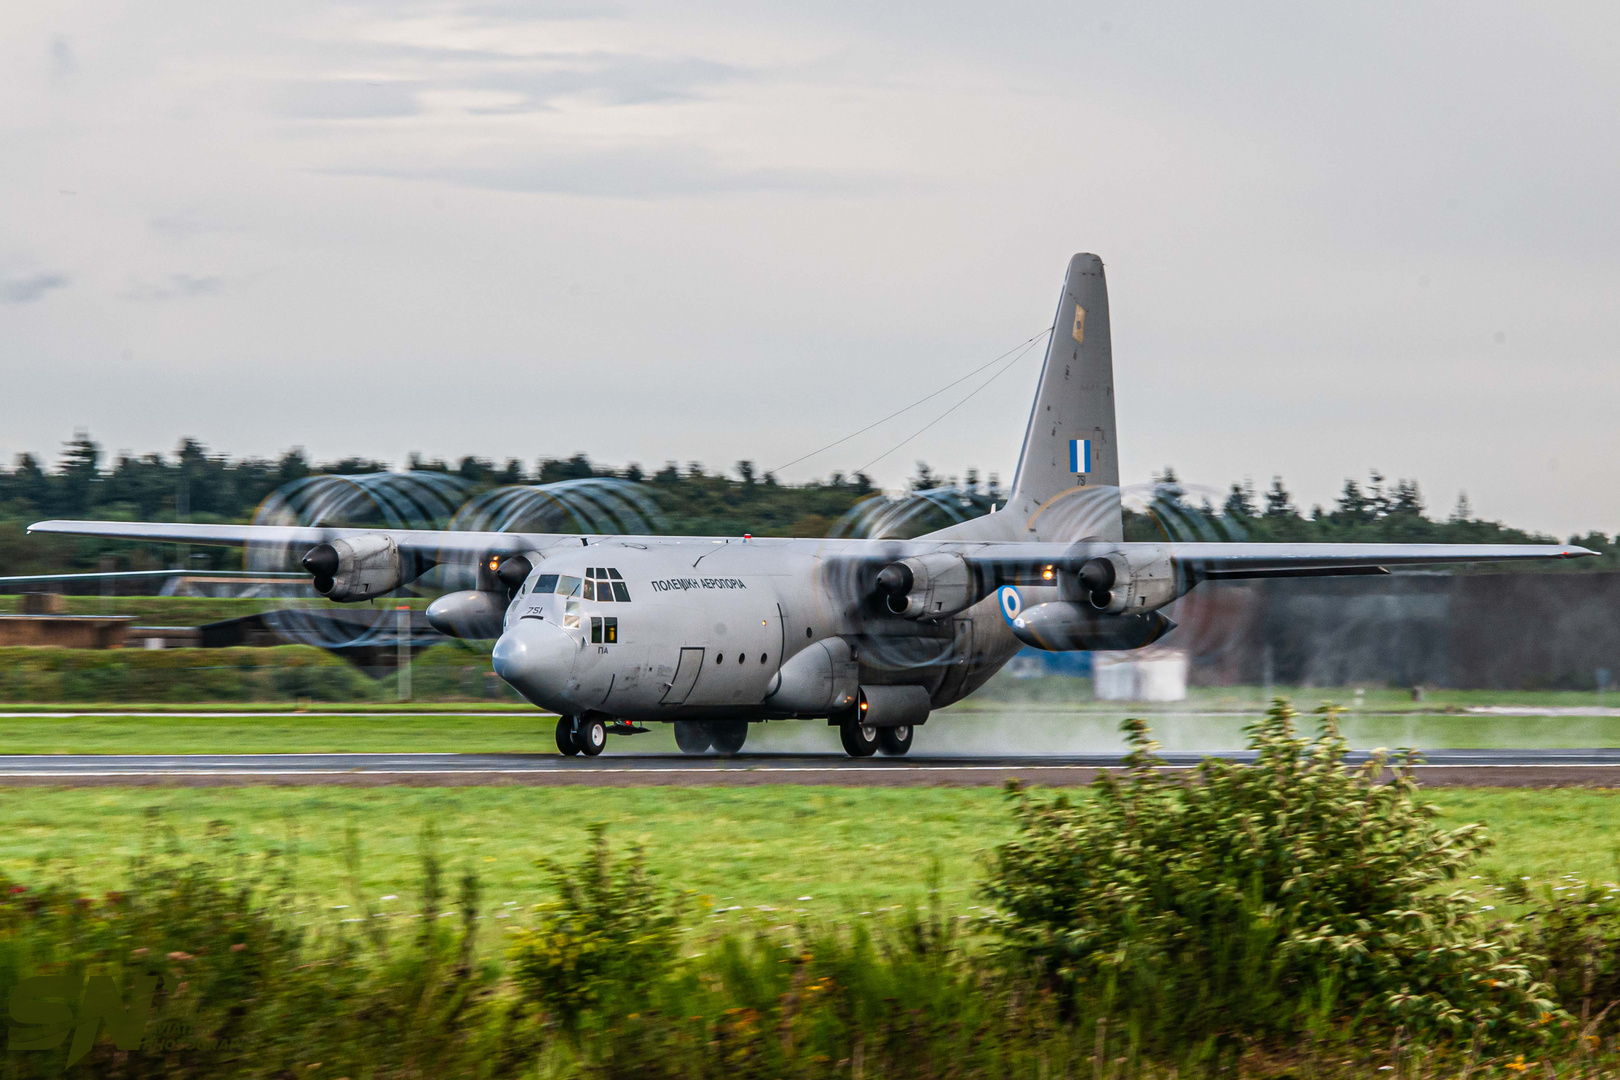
(1047, 573)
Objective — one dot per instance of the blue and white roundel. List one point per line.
(1012, 604)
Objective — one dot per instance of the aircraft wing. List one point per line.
(418, 541)
(1017, 563)
(1008, 563)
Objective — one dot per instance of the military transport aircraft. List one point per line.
(715, 633)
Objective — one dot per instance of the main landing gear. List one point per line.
(726, 737)
(581, 735)
(864, 740)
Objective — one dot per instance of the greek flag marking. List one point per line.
(1080, 455)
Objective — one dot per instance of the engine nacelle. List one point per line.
(1065, 626)
(823, 678)
(470, 614)
(928, 586)
(359, 568)
(1118, 583)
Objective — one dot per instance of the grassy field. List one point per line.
(1080, 726)
(849, 850)
(188, 610)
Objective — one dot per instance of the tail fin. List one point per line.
(1071, 440)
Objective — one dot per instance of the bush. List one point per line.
(241, 986)
(1262, 901)
(610, 935)
(1571, 938)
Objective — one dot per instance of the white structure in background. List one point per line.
(1150, 674)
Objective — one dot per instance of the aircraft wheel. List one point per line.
(728, 736)
(895, 741)
(590, 735)
(692, 736)
(860, 740)
(565, 736)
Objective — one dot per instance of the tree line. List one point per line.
(196, 484)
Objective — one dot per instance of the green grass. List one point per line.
(377, 731)
(853, 850)
(491, 727)
(188, 610)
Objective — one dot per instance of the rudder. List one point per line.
(1071, 439)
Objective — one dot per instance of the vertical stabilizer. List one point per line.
(1070, 448)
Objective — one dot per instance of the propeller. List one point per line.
(410, 500)
(1208, 620)
(876, 586)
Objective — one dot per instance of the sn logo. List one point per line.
(44, 1004)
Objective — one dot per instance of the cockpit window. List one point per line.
(544, 583)
(567, 586)
(605, 585)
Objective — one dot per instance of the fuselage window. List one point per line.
(604, 631)
(719, 658)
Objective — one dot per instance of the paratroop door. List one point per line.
(686, 673)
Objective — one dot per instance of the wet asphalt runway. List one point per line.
(1476, 768)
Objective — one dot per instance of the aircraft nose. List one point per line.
(537, 659)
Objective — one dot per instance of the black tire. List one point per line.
(728, 736)
(860, 740)
(565, 736)
(895, 741)
(590, 735)
(692, 736)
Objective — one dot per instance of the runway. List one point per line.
(1442, 768)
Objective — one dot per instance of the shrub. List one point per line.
(608, 937)
(1571, 937)
(242, 986)
(1257, 901)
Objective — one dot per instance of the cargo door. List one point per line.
(686, 673)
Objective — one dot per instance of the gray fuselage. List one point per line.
(708, 626)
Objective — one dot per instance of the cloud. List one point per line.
(173, 287)
(347, 99)
(25, 290)
(536, 79)
(62, 62)
(613, 79)
(626, 173)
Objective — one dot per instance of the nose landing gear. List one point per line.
(581, 735)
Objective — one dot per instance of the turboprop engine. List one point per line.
(928, 586)
(1137, 583)
(358, 568)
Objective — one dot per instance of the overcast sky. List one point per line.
(1338, 237)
